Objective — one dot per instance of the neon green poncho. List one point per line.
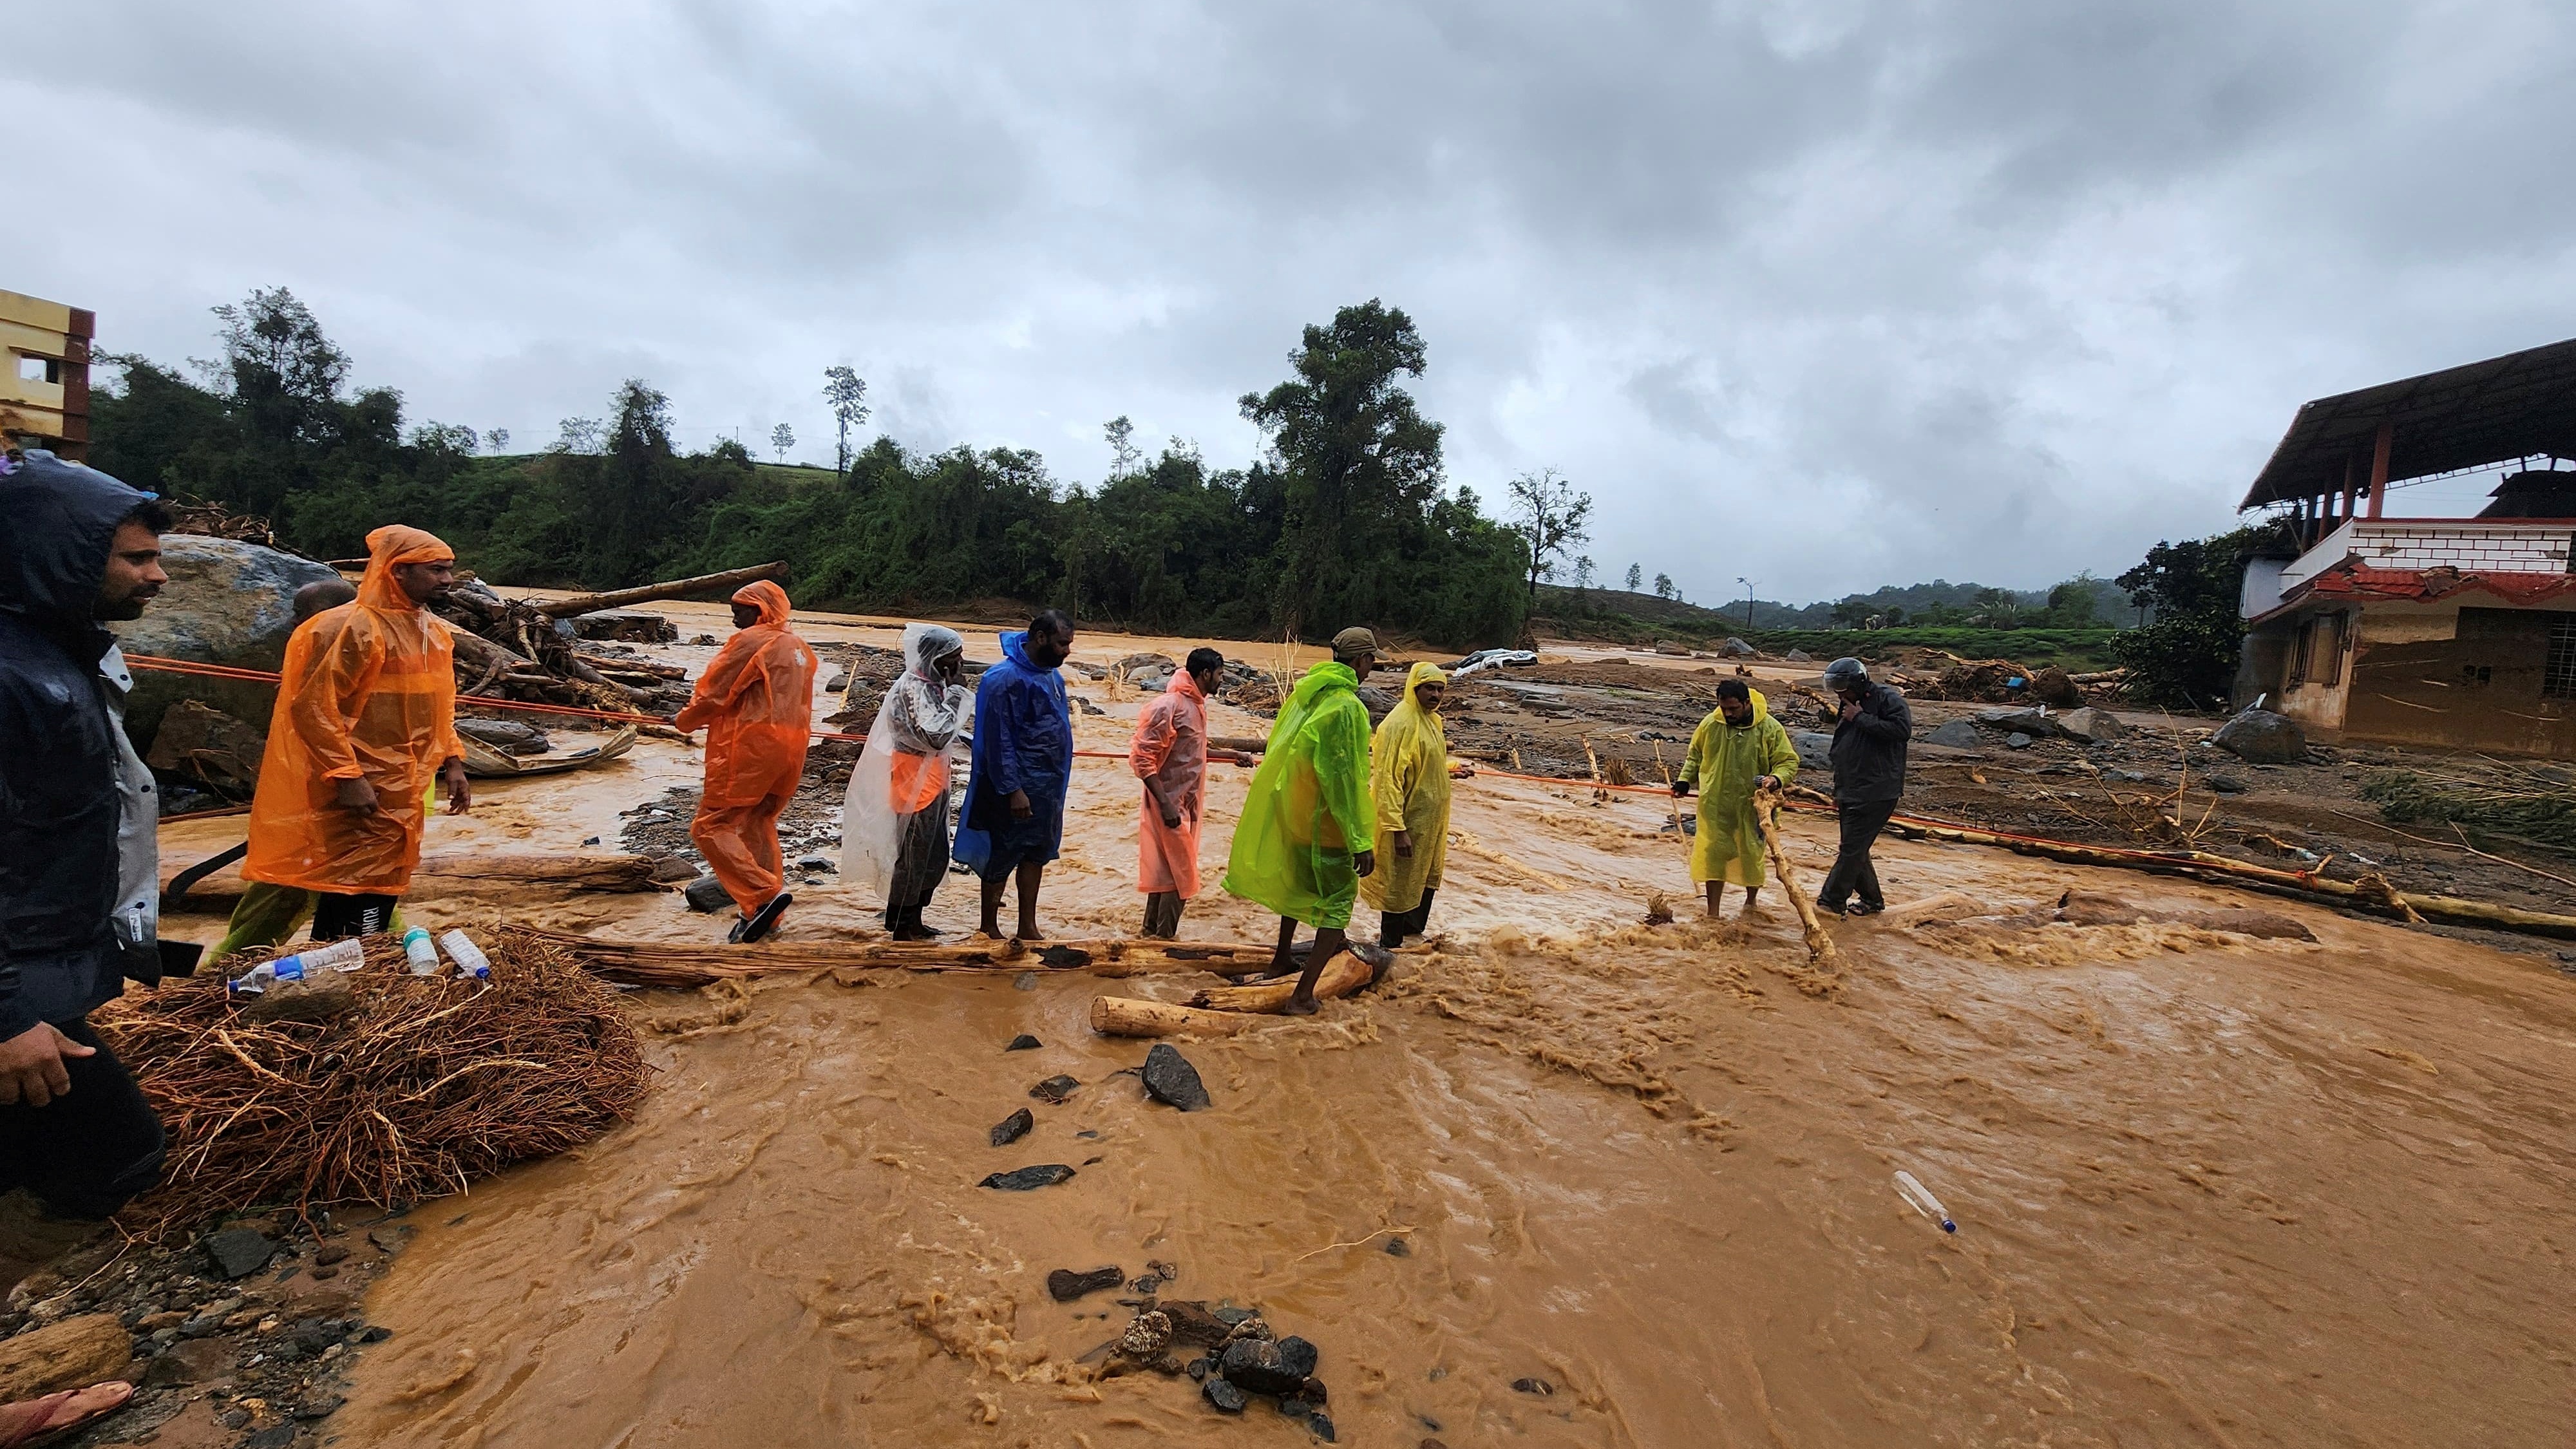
(1724, 762)
(1309, 801)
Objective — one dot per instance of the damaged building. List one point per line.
(2367, 623)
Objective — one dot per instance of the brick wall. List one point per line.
(2470, 548)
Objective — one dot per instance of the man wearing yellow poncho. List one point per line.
(1409, 783)
(1737, 749)
(1309, 805)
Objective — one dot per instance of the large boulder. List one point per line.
(2261, 737)
(1955, 734)
(1815, 749)
(2089, 724)
(228, 603)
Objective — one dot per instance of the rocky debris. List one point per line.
(203, 745)
(2260, 737)
(1957, 734)
(2225, 785)
(1023, 1043)
(2018, 741)
(1259, 1366)
(1799, 656)
(1170, 1079)
(2089, 724)
(1398, 1248)
(1738, 649)
(2037, 723)
(1054, 1090)
(1195, 1325)
(1320, 1425)
(1012, 1128)
(69, 1354)
(1026, 1179)
(509, 736)
(706, 893)
(228, 602)
(238, 1252)
(630, 626)
(1540, 1387)
(1815, 749)
(1147, 1335)
(312, 999)
(2052, 686)
(1223, 1396)
(1065, 1285)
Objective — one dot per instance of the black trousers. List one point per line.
(1394, 926)
(338, 917)
(84, 1153)
(1852, 868)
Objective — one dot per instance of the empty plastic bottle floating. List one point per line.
(1923, 1200)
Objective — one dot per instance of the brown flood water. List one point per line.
(2210, 1190)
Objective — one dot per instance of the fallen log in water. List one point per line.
(1133, 1016)
(453, 874)
(1344, 974)
(661, 963)
(1766, 814)
(580, 604)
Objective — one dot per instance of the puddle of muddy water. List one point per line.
(2209, 1189)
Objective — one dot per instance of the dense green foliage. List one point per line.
(2187, 656)
(1346, 520)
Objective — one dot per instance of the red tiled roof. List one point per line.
(2360, 581)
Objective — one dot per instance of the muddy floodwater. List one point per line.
(2210, 1188)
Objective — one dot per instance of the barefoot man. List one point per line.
(1309, 805)
(1738, 749)
(1169, 755)
(1022, 764)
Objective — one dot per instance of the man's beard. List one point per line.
(121, 610)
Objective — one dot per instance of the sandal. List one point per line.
(765, 918)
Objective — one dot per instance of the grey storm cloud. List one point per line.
(1828, 293)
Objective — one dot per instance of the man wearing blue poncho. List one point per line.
(1023, 760)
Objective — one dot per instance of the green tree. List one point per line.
(1636, 577)
(2187, 655)
(1664, 587)
(781, 438)
(1550, 517)
(847, 393)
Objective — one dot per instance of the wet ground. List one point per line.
(2210, 1188)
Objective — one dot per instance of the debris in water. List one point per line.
(1226, 1398)
(1200, 1367)
(1263, 1367)
(1065, 1285)
(1023, 1043)
(1025, 981)
(1659, 909)
(1012, 1128)
(1192, 1323)
(706, 893)
(1915, 1193)
(1398, 1248)
(1147, 1335)
(1045, 1174)
(1540, 1387)
(1170, 1078)
(1060, 958)
(1054, 1090)
(1321, 1426)
(239, 1252)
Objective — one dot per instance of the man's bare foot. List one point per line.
(1300, 1005)
(68, 1409)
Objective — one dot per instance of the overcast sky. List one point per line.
(1824, 293)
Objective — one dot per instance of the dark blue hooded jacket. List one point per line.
(59, 744)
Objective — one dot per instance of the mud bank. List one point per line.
(2210, 1189)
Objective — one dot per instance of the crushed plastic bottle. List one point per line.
(420, 951)
(345, 955)
(469, 958)
(1924, 1202)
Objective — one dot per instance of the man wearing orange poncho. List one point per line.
(756, 703)
(1169, 755)
(365, 722)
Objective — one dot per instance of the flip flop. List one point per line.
(36, 1420)
(767, 916)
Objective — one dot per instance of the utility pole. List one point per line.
(1748, 603)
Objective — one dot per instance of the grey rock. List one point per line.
(1815, 749)
(1026, 1179)
(1799, 656)
(1054, 1089)
(1321, 1426)
(236, 1252)
(189, 1362)
(706, 893)
(1065, 1285)
(1957, 734)
(633, 626)
(1023, 1043)
(277, 1436)
(2027, 721)
(1012, 1128)
(1170, 1078)
(227, 603)
(2225, 784)
(2017, 741)
(1262, 1367)
(2261, 737)
(1224, 1397)
(838, 684)
(1738, 648)
(2090, 725)
(320, 1406)
(1540, 1387)
(501, 733)
(816, 861)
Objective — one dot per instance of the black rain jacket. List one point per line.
(1869, 749)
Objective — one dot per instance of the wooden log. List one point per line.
(72, 1354)
(1344, 974)
(1129, 1016)
(647, 593)
(1766, 814)
(655, 963)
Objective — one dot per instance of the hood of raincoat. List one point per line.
(53, 554)
(1182, 684)
(1319, 681)
(1015, 647)
(768, 598)
(924, 645)
(1423, 673)
(1761, 711)
(388, 548)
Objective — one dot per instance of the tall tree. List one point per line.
(1357, 460)
(1123, 452)
(1664, 587)
(1550, 518)
(1583, 572)
(2188, 656)
(279, 369)
(782, 438)
(847, 393)
(630, 506)
(498, 440)
(1636, 577)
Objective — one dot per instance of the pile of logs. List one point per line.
(527, 649)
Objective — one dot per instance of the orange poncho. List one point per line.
(756, 703)
(368, 693)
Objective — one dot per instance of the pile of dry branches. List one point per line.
(422, 1086)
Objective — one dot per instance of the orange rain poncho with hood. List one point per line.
(1170, 748)
(368, 692)
(756, 703)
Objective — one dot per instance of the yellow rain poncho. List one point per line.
(1409, 783)
(1309, 802)
(1724, 762)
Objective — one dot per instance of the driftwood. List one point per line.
(1766, 815)
(1133, 1016)
(485, 762)
(654, 963)
(446, 875)
(1344, 974)
(72, 1354)
(580, 604)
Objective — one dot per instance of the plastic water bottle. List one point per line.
(341, 955)
(266, 974)
(1923, 1200)
(420, 951)
(469, 958)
